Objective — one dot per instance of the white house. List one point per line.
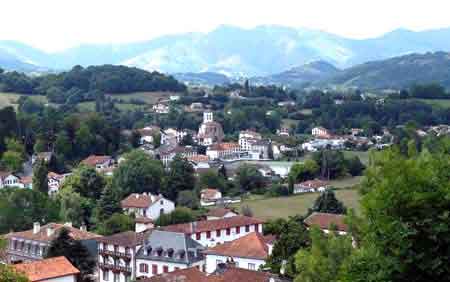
(320, 132)
(100, 163)
(8, 179)
(57, 269)
(311, 186)
(161, 108)
(249, 252)
(209, 196)
(247, 138)
(223, 151)
(164, 252)
(117, 256)
(218, 213)
(55, 181)
(147, 205)
(212, 232)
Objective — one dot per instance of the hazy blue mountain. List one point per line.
(234, 51)
(203, 78)
(298, 76)
(397, 73)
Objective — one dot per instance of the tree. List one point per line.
(40, 176)
(9, 274)
(405, 204)
(64, 245)
(74, 208)
(108, 204)
(246, 211)
(211, 179)
(354, 166)
(323, 261)
(12, 161)
(188, 199)
(292, 236)
(85, 181)
(138, 173)
(304, 171)
(332, 163)
(179, 215)
(180, 178)
(328, 203)
(115, 224)
(249, 178)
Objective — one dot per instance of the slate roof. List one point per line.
(126, 239)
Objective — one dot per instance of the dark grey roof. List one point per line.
(173, 247)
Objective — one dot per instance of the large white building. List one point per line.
(212, 232)
(247, 138)
(8, 179)
(165, 252)
(117, 256)
(248, 252)
(147, 205)
(223, 151)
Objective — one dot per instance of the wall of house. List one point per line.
(159, 264)
(69, 278)
(154, 211)
(213, 260)
(121, 261)
(223, 237)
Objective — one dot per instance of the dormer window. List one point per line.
(148, 250)
(159, 251)
(170, 252)
(182, 254)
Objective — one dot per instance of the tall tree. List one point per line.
(108, 204)
(180, 178)
(328, 203)
(115, 224)
(75, 252)
(86, 181)
(40, 176)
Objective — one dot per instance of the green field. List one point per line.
(441, 103)
(148, 97)
(90, 107)
(10, 99)
(363, 156)
(272, 208)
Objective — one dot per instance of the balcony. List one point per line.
(115, 267)
(115, 254)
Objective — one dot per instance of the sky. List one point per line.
(58, 24)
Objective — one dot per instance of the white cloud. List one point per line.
(57, 24)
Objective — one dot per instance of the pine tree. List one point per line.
(40, 180)
(108, 204)
(328, 203)
(74, 251)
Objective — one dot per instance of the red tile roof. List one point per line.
(209, 193)
(219, 212)
(324, 220)
(252, 245)
(47, 269)
(42, 235)
(93, 160)
(211, 225)
(224, 146)
(198, 158)
(314, 183)
(139, 201)
(26, 180)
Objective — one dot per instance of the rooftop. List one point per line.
(127, 239)
(139, 200)
(211, 225)
(218, 212)
(313, 183)
(252, 245)
(50, 231)
(93, 160)
(51, 268)
(325, 220)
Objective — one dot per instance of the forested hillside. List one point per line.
(81, 84)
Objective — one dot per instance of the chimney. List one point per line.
(68, 224)
(36, 227)
(83, 228)
(50, 231)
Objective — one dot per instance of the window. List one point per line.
(127, 250)
(143, 268)
(238, 230)
(198, 236)
(208, 234)
(247, 228)
(251, 266)
(161, 202)
(165, 269)
(154, 269)
(228, 231)
(218, 262)
(256, 228)
(217, 233)
(105, 275)
(161, 211)
(116, 277)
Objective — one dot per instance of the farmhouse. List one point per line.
(147, 205)
(327, 222)
(100, 163)
(311, 186)
(8, 179)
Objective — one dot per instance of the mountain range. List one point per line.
(233, 51)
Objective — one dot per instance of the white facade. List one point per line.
(67, 278)
(319, 131)
(116, 263)
(214, 237)
(159, 205)
(10, 181)
(247, 263)
(161, 109)
(149, 268)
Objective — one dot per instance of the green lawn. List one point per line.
(272, 208)
(10, 99)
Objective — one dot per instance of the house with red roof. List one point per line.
(209, 196)
(58, 269)
(248, 252)
(100, 163)
(327, 222)
(212, 232)
(311, 186)
(146, 205)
